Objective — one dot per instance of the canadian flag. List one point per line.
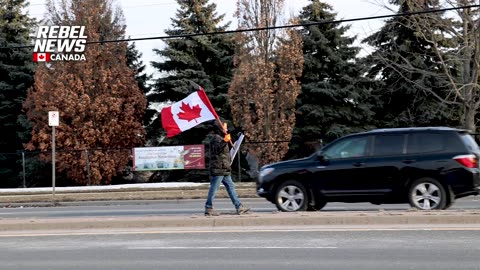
(41, 57)
(187, 113)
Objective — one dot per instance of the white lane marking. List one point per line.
(219, 230)
(164, 248)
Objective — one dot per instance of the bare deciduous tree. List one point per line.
(265, 86)
(99, 101)
(454, 38)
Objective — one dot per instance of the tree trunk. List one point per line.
(469, 118)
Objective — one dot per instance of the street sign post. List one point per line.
(53, 121)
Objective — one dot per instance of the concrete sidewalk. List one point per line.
(274, 221)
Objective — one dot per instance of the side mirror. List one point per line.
(320, 157)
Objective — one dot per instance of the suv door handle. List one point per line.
(358, 164)
(408, 161)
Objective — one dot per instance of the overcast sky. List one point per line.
(146, 18)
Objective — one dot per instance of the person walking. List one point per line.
(220, 171)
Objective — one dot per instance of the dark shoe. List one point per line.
(243, 210)
(210, 212)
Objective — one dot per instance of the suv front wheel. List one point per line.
(427, 194)
(291, 196)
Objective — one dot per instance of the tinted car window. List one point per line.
(469, 141)
(348, 148)
(388, 145)
(425, 143)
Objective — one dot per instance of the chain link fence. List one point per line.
(34, 168)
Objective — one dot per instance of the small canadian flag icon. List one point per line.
(41, 57)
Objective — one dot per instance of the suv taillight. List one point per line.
(469, 161)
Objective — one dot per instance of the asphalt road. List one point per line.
(360, 249)
(184, 207)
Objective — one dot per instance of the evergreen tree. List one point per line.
(335, 99)
(16, 76)
(406, 69)
(135, 63)
(205, 60)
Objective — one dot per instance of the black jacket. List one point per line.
(219, 156)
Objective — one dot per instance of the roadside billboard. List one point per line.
(169, 158)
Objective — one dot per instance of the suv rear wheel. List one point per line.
(427, 194)
(291, 196)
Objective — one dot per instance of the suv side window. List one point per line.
(347, 148)
(386, 145)
(425, 143)
(469, 141)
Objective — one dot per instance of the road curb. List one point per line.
(251, 220)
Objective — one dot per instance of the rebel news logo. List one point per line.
(59, 43)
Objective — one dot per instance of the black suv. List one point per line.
(427, 167)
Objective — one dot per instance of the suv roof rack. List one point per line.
(416, 129)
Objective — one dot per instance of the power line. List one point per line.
(125, 7)
(273, 27)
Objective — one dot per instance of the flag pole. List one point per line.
(224, 132)
(198, 87)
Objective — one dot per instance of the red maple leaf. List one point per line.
(189, 113)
